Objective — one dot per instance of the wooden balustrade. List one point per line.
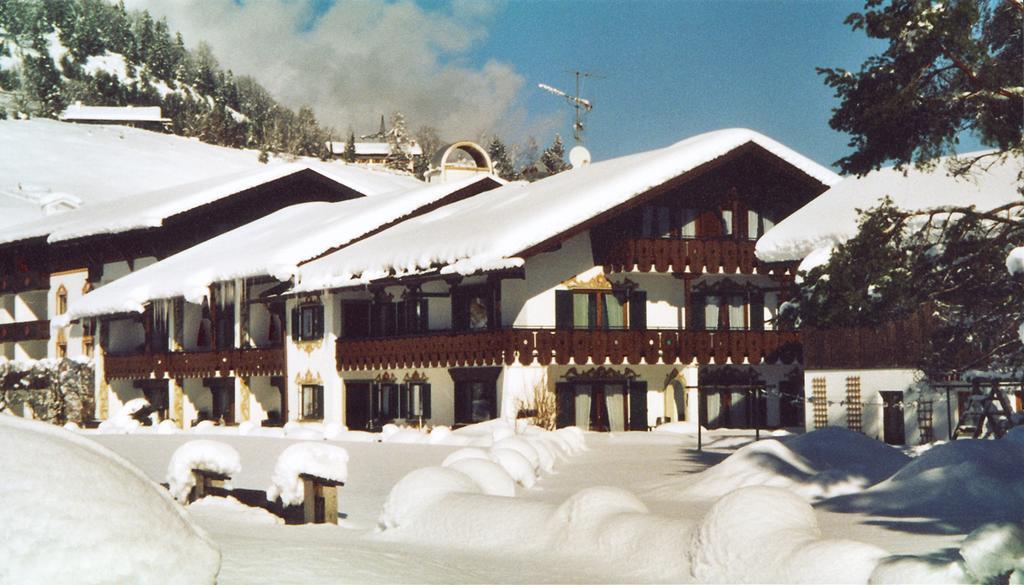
(898, 344)
(697, 256)
(15, 282)
(457, 349)
(25, 331)
(197, 364)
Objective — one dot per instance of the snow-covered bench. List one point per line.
(306, 479)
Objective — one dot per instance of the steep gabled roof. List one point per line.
(831, 218)
(98, 163)
(148, 210)
(493, 230)
(272, 246)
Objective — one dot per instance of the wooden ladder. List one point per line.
(992, 407)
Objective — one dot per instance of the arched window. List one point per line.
(62, 300)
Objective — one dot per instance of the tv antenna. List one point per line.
(581, 105)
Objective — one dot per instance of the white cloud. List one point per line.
(360, 59)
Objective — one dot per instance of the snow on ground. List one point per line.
(73, 512)
(620, 510)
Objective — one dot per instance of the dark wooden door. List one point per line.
(892, 418)
(358, 411)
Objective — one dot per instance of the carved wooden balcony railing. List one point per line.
(25, 331)
(15, 282)
(452, 349)
(197, 364)
(899, 344)
(697, 256)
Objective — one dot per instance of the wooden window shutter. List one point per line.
(425, 400)
(563, 309)
(757, 311)
(638, 405)
(638, 310)
(295, 324)
(695, 309)
(375, 401)
(565, 413)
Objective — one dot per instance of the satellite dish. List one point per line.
(579, 156)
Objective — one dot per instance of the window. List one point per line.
(386, 318)
(312, 401)
(688, 225)
(727, 222)
(725, 311)
(88, 333)
(62, 300)
(925, 421)
(355, 319)
(757, 224)
(604, 309)
(475, 308)
(656, 221)
(308, 322)
(62, 349)
(385, 402)
(476, 395)
(415, 403)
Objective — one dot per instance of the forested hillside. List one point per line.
(56, 52)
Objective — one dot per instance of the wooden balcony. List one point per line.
(197, 364)
(899, 344)
(15, 282)
(546, 346)
(696, 256)
(25, 331)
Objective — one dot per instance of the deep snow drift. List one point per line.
(73, 512)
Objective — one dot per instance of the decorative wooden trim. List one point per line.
(598, 282)
(415, 377)
(600, 373)
(309, 345)
(309, 378)
(386, 378)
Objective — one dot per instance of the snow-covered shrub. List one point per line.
(517, 466)
(418, 491)
(465, 453)
(770, 535)
(902, 569)
(98, 520)
(994, 550)
(544, 452)
(316, 459)
(521, 446)
(57, 390)
(491, 478)
(202, 454)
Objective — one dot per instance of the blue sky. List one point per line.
(669, 68)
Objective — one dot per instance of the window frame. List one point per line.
(318, 402)
(315, 313)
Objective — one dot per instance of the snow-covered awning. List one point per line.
(491, 230)
(150, 209)
(273, 246)
(831, 218)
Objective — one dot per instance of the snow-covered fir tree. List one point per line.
(501, 159)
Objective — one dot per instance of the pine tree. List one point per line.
(350, 148)
(399, 143)
(949, 67)
(501, 160)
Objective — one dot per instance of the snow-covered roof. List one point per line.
(149, 210)
(831, 218)
(372, 148)
(273, 245)
(490, 230)
(113, 114)
(101, 163)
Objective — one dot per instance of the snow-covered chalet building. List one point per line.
(867, 379)
(626, 291)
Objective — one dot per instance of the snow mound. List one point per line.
(100, 520)
(770, 535)
(308, 431)
(522, 447)
(123, 421)
(417, 492)
(682, 427)
(202, 454)
(465, 453)
(824, 463)
(317, 459)
(903, 569)
(167, 427)
(491, 478)
(594, 505)
(406, 436)
(846, 450)
(988, 474)
(574, 437)
(516, 465)
(994, 550)
(229, 509)
(544, 452)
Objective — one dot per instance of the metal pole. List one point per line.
(757, 418)
(949, 416)
(700, 442)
